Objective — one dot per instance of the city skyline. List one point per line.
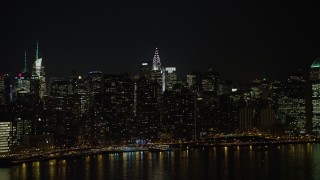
(102, 108)
(160, 89)
(28, 64)
(262, 39)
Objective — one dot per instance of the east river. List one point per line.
(289, 161)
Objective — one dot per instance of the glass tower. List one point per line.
(315, 96)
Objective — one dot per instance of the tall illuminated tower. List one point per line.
(157, 71)
(315, 96)
(39, 74)
(22, 83)
(156, 61)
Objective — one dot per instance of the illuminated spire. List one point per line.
(316, 63)
(25, 61)
(37, 51)
(156, 61)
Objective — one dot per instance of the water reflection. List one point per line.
(52, 169)
(36, 170)
(297, 161)
(23, 171)
(87, 167)
(4, 173)
(100, 168)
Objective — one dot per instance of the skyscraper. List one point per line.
(194, 81)
(315, 96)
(291, 102)
(118, 90)
(26, 108)
(147, 108)
(22, 87)
(95, 82)
(156, 61)
(62, 113)
(178, 110)
(210, 81)
(38, 74)
(97, 123)
(6, 137)
(156, 73)
(22, 83)
(4, 89)
(145, 69)
(246, 118)
(79, 90)
(170, 77)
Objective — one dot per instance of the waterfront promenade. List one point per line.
(16, 158)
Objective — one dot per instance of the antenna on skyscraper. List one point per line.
(25, 61)
(37, 51)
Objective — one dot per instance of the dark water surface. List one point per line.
(296, 161)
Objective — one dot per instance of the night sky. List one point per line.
(242, 40)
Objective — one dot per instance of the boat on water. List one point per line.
(159, 148)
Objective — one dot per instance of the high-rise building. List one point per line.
(157, 72)
(145, 69)
(170, 77)
(96, 123)
(156, 66)
(118, 90)
(95, 82)
(291, 100)
(38, 75)
(8, 133)
(24, 123)
(35, 87)
(4, 89)
(224, 87)
(79, 91)
(315, 97)
(194, 81)
(22, 84)
(210, 81)
(179, 113)
(62, 112)
(191, 80)
(246, 118)
(22, 87)
(266, 117)
(147, 112)
(6, 136)
(59, 90)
